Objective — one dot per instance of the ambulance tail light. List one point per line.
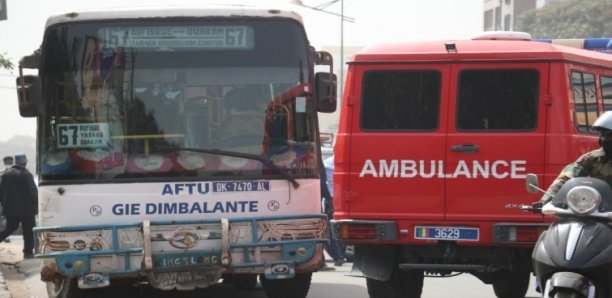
(358, 231)
(518, 233)
(364, 230)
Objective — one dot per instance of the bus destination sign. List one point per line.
(173, 37)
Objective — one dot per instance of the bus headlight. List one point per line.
(583, 199)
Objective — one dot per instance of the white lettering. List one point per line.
(432, 169)
(388, 170)
(517, 169)
(497, 174)
(408, 169)
(440, 169)
(427, 169)
(462, 169)
(481, 169)
(368, 169)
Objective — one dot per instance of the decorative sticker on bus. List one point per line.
(82, 135)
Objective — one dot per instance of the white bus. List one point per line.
(178, 147)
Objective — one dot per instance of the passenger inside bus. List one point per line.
(198, 118)
(154, 116)
(244, 122)
(145, 115)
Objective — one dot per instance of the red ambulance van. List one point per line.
(434, 142)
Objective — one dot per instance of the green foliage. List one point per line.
(568, 19)
(5, 62)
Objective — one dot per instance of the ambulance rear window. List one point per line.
(497, 100)
(401, 100)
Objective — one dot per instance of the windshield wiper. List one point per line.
(260, 158)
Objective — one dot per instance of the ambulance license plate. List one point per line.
(446, 233)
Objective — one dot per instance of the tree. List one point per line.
(568, 19)
(5, 62)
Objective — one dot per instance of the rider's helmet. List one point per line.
(603, 124)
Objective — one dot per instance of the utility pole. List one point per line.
(343, 18)
(3, 14)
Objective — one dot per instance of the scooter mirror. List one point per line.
(531, 183)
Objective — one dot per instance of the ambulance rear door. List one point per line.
(496, 134)
(398, 140)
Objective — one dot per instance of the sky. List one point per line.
(380, 21)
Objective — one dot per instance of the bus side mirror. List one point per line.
(29, 95)
(326, 85)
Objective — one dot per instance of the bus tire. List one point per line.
(511, 284)
(296, 287)
(406, 284)
(64, 288)
(243, 282)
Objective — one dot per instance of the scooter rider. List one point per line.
(596, 163)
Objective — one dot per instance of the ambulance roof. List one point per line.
(478, 50)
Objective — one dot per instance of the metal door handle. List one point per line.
(465, 148)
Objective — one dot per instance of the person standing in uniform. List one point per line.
(19, 199)
(335, 249)
(8, 163)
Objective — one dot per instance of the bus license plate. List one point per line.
(446, 233)
(185, 261)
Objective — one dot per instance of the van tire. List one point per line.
(296, 287)
(405, 284)
(511, 284)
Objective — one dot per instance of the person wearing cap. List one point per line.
(19, 199)
(596, 163)
(8, 163)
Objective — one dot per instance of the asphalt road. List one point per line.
(23, 281)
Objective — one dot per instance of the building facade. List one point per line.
(500, 15)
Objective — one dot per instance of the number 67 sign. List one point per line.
(79, 135)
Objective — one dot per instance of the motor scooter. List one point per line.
(573, 258)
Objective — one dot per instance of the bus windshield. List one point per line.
(159, 99)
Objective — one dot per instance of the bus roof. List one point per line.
(172, 11)
(478, 50)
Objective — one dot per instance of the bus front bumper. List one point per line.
(182, 254)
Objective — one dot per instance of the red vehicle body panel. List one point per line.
(454, 195)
